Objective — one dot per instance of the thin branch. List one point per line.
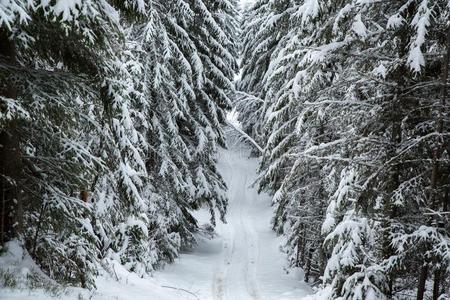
(247, 137)
(180, 289)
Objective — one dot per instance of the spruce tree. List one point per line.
(352, 123)
(111, 117)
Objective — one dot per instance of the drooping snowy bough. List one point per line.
(355, 133)
(111, 114)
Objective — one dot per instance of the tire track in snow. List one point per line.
(236, 278)
(243, 261)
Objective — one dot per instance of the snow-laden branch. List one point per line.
(246, 136)
(181, 289)
(232, 121)
(248, 97)
(431, 212)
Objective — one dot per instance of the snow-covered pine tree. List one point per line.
(55, 52)
(394, 187)
(347, 95)
(204, 49)
(168, 156)
(301, 128)
(185, 85)
(262, 26)
(116, 173)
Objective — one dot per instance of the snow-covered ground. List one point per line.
(242, 262)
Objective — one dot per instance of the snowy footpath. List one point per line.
(242, 262)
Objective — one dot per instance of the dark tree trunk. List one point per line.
(308, 264)
(446, 200)
(422, 280)
(303, 246)
(297, 256)
(322, 258)
(437, 152)
(10, 158)
(437, 284)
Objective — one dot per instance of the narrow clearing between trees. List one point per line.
(243, 261)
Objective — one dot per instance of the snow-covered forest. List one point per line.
(217, 149)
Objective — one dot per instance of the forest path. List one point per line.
(237, 270)
(243, 261)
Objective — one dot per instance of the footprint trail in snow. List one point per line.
(243, 261)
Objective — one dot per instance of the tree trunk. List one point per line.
(10, 158)
(437, 284)
(446, 200)
(308, 264)
(422, 280)
(322, 258)
(303, 247)
(433, 199)
(297, 256)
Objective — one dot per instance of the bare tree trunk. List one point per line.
(297, 256)
(322, 258)
(10, 158)
(437, 284)
(389, 210)
(303, 246)
(422, 280)
(308, 264)
(446, 200)
(38, 229)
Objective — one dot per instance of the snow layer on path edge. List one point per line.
(243, 261)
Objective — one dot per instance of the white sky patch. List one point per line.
(246, 3)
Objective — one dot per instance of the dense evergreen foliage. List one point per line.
(111, 116)
(110, 119)
(350, 100)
